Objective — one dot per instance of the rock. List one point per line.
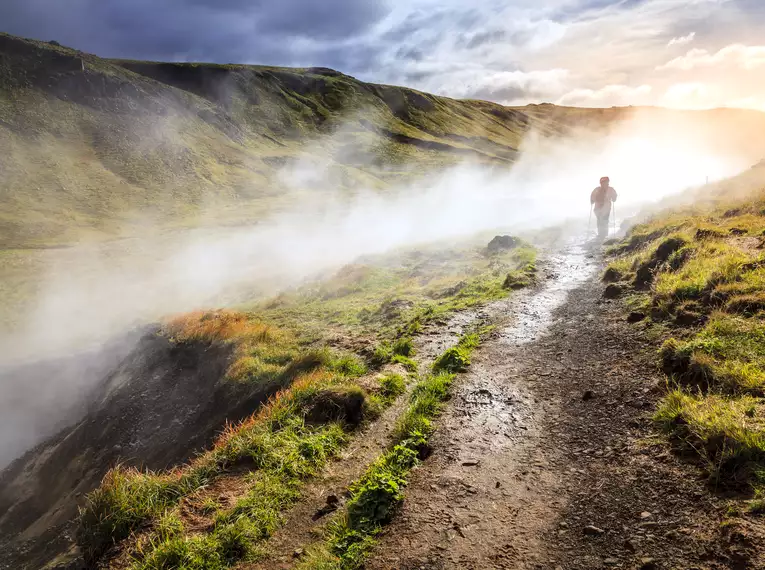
(611, 275)
(593, 531)
(611, 561)
(588, 395)
(502, 243)
(613, 291)
(687, 319)
(298, 553)
(630, 545)
(332, 500)
(645, 515)
(470, 463)
(636, 317)
(648, 564)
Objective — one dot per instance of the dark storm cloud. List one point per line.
(410, 54)
(215, 30)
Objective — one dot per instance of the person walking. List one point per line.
(601, 201)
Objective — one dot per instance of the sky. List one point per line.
(598, 53)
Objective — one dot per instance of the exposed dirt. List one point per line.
(544, 460)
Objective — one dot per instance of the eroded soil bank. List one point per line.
(545, 458)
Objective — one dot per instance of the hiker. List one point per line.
(601, 199)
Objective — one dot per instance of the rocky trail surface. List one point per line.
(545, 457)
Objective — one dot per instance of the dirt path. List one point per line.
(543, 458)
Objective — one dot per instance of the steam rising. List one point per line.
(94, 293)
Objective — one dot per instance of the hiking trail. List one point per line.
(543, 457)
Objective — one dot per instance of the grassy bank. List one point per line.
(377, 495)
(695, 277)
(265, 457)
(388, 298)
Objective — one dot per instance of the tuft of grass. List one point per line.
(728, 434)
(262, 352)
(457, 358)
(392, 386)
(728, 354)
(404, 347)
(710, 265)
(402, 351)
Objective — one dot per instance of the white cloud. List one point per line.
(734, 55)
(608, 95)
(692, 95)
(508, 86)
(682, 40)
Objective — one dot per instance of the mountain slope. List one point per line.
(95, 148)
(89, 144)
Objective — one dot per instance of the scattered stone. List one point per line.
(588, 395)
(687, 319)
(298, 553)
(611, 562)
(332, 500)
(593, 531)
(502, 243)
(497, 485)
(471, 463)
(636, 317)
(648, 564)
(645, 515)
(611, 275)
(613, 291)
(630, 545)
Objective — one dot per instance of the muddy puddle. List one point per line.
(490, 408)
(534, 312)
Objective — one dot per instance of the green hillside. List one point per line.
(90, 145)
(95, 148)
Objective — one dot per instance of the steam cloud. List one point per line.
(95, 293)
